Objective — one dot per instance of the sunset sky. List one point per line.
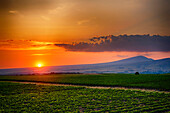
(47, 31)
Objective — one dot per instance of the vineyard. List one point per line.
(17, 97)
(149, 81)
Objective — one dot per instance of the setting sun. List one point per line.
(39, 65)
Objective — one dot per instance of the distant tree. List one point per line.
(137, 73)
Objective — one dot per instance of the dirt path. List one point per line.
(93, 87)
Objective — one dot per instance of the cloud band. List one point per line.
(137, 43)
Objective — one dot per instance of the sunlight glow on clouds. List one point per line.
(26, 45)
(13, 12)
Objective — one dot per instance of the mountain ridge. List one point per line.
(141, 64)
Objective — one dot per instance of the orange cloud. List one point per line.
(13, 12)
(25, 45)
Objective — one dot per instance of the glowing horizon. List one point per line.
(62, 32)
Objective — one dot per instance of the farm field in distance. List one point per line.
(17, 97)
(148, 81)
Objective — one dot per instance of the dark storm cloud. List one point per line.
(137, 43)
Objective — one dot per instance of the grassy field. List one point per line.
(150, 81)
(15, 97)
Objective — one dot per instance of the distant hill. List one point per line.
(130, 65)
(131, 60)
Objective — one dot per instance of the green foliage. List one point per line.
(16, 97)
(151, 81)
